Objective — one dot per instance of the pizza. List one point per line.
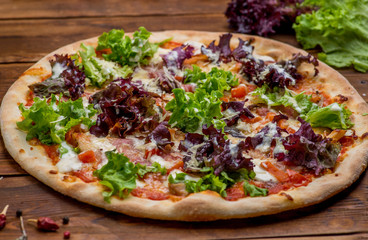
(186, 125)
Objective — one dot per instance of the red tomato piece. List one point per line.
(87, 157)
(239, 91)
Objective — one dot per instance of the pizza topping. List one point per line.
(161, 136)
(174, 60)
(212, 150)
(97, 70)
(67, 79)
(220, 52)
(50, 121)
(232, 111)
(333, 116)
(254, 191)
(125, 108)
(119, 174)
(69, 160)
(308, 149)
(125, 50)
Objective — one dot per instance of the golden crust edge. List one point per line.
(35, 162)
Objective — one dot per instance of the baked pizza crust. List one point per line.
(204, 206)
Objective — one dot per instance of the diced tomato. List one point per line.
(235, 192)
(52, 152)
(179, 165)
(224, 99)
(239, 91)
(276, 172)
(171, 45)
(270, 116)
(150, 193)
(86, 175)
(180, 79)
(87, 157)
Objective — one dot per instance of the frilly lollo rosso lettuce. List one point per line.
(125, 108)
(66, 79)
(263, 17)
(212, 150)
(310, 150)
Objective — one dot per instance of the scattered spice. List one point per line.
(45, 224)
(19, 213)
(66, 235)
(3, 217)
(65, 220)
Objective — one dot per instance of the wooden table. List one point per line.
(31, 29)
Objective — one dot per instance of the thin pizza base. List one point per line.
(204, 206)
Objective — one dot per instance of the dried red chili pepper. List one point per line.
(3, 217)
(45, 224)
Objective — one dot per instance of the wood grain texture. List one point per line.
(86, 8)
(29, 40)
(346, 213)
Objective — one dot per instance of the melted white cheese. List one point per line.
(69, 161)
(57, 69)
(156, 59)
(161, 161)
(261, 173)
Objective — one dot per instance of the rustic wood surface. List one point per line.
(31, 29)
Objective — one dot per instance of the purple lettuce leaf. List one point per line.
(237, 109)
(175, 58)
(125, 108)
(221, 52)
(263, 17)
(166, 80)
(70, 82)
(310, 150)
(213, 150)
(161, 136)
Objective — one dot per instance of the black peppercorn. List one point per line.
(65, 220)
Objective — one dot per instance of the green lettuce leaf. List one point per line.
(98, 70)
(119, 175)
(192, 110)
(49, 121)
(254, 191)
(125, 50)
(339, 28)
(334, 116)
(215, 80)
(212, 182)
(154, 168)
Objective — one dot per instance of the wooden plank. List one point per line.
(346, 213)
(29, 40)
(86, 8)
